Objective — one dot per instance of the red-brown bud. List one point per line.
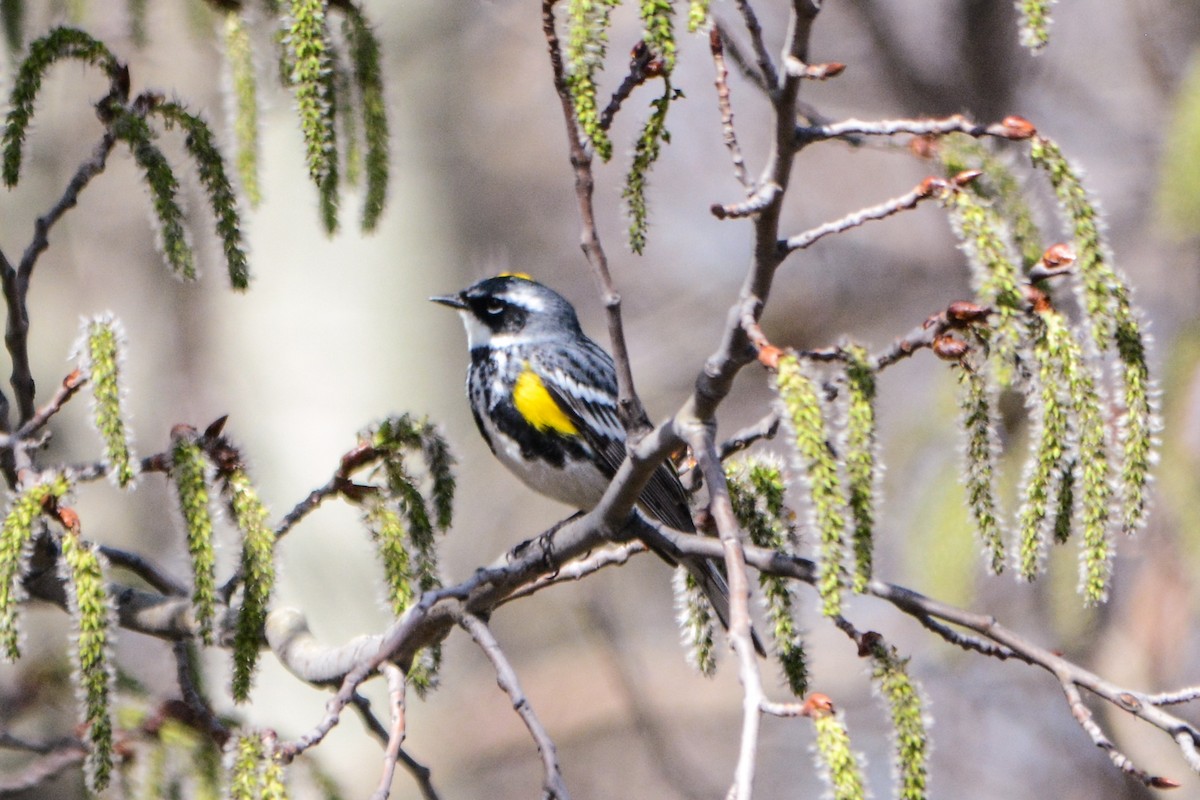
(1058, 256)
(1038, 300)
(930, 186)
(964, 312)
(1159, 782)
(966, 176)
(1018, 127)
(769, 355)
(949, 347)
(817, 705)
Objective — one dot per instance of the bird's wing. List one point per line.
(583, 383)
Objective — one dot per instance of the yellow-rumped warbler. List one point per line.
(544, 396)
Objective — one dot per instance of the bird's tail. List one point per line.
(709, 575)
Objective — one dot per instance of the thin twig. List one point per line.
(552, 781)
(700, 439)
(728, 134)
(396, 685)
(419, 772)
(765, 66)
(145, 569)
(1010, 128)
(740, 60)
(576, 570)
(202, 713)
(43, 769)
(66, 390)
(306, 506)
(930, 187)
(765, 428)
(1186, 695)
(641, 68)
(764, 197)
(629, 406)
(15, 282)
(1083, 715)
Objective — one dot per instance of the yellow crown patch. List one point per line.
(525, 276)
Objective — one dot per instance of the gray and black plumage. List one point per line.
(544, 397)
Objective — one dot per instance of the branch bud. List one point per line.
(1018, 127)
(817, 705)
(966, 177)
(949, 347)
(961, 313)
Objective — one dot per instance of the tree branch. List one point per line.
(629, 407)
(552, 780)
(395, 738)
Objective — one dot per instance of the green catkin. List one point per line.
(587, 42)
(244, 773)
(210, 165)
(60, 43)
(310, 57)
(102, 355)
(368, 76)
(910, 738)
(15, 536)
(994, 273)
(1035, 23)
(804, 414)
(697, 15)
(91, 611)
(1051, 444)
(756, 491)
(172, 237)
(189, 469)
(1105, 297)
(697, 627)
(390, 536)
(860, 456)
(240, 57)
(839, 766)
(978, 420)
(645, 154)
(258, 578)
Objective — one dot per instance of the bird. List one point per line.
(544, 397)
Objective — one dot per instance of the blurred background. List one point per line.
(336, 333)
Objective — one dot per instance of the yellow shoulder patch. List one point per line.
(538, 407)
(525, 276)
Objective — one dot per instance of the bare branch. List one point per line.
(552, 781)
(66, 390)
(766, 67)
(642, 66)
(43, 769)
(1010, 128)
(930, 187)
(15, 282)
(740, 60)
(1083, 716)
(396, 685)
(145, 569)
(1172, 698)
(629, 407)
(728, 134)
(765, 428)
(419, 772)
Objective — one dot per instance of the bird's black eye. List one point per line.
(494, 307)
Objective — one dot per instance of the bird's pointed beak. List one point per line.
(451, 300)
